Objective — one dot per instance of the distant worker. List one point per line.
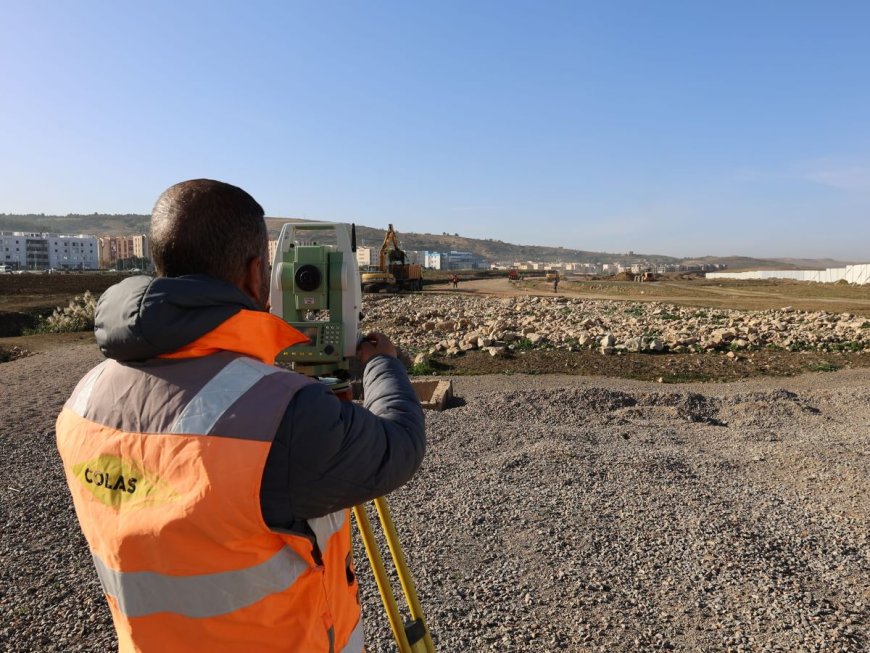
(455, 281)
(211, 486)
(556, 285)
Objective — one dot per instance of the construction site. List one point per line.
(586, 486)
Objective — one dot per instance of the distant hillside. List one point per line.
(95, 223)
(814, 263)
(496, 250)
(491, 249)
(741, 263)
(736, 263)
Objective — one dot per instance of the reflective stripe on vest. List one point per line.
(325, 527)
(222, 391)
(83, 396)
(206, 595)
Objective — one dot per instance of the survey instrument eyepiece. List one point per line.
(308, 278)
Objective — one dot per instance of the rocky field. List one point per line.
(552, 513)
(453, 324)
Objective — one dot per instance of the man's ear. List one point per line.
(252, 283)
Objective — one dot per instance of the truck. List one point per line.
(552, 275)
(392, 273)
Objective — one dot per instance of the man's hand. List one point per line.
(374, 344)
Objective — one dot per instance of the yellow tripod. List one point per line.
(412, 637)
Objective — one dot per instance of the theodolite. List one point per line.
(315, 287)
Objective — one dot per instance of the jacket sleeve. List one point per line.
(329, 454)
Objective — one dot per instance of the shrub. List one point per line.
(77, 316)
(420, 369)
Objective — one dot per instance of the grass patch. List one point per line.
(421, 369)
(688, 377)
(523, 344)
(824, 366)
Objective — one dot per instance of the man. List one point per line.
(212, 487)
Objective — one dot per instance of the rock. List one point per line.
(634, 344)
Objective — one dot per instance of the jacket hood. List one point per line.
(143, 317)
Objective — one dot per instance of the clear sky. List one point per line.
(681, 128)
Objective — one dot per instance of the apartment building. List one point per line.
(41, 251)
(123, 248)
(367, 255)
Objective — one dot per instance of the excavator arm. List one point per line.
(389, 238)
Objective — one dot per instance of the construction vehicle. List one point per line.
(552, 275)
(514, 274)
(391, 273)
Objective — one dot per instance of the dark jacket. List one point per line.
(326, 454)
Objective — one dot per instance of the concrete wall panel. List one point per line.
(852, 273)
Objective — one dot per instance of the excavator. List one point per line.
(391, 274)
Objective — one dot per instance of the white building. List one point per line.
(39, 251)
(433, 260)
(367, 255)
(463, 261)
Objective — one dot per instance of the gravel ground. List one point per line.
(551, 514)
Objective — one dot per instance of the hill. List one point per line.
(490, 248)
(494, 250)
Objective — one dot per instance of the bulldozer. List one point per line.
(391, 274)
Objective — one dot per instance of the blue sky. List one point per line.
(681, 128)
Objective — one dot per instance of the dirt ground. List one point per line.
(24, 297)
(584, 513)
(718, 293)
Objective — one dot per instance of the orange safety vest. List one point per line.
(164, 460)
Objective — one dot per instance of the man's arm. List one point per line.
(329, 454)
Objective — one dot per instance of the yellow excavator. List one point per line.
(391, 274)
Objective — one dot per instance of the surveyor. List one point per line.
(212, 487)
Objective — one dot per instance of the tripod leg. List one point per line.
(403, 572)
(381, 578)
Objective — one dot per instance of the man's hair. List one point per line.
(208, 227)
